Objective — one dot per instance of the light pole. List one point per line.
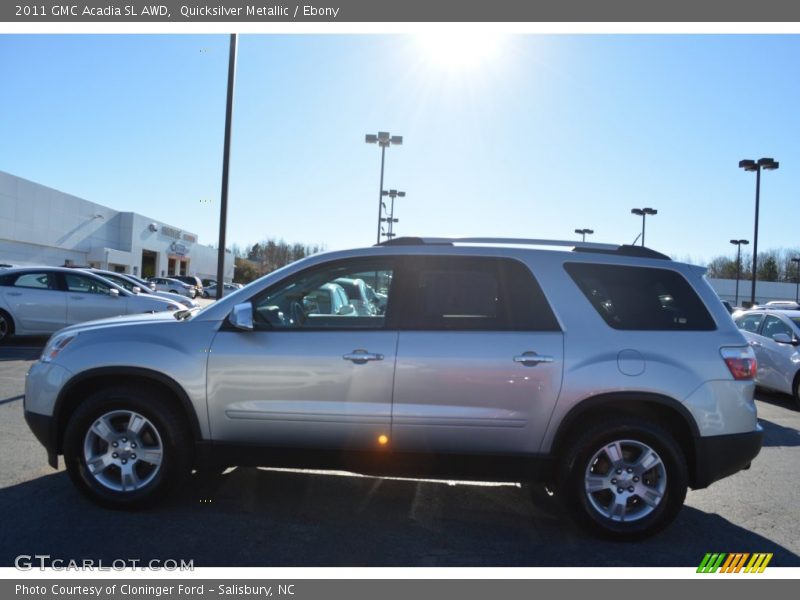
(753, 165)
(583, 232)
(796, 260)
(738, 244)
(643, 212)
(226, 159)
(390, 219)
(384, 140)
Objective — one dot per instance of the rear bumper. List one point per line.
(719, 456)
(43, 428)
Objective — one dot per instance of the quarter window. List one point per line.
(641, 298)
(37, 281)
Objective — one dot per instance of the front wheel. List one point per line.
(126, 448)
(623, 479)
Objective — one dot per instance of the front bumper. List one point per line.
(43, 427)
(719, 456)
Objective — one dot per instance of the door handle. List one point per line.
(531, 359)
(14, 294)
(76, 298)
(361, 357)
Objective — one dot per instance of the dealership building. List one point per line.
(43, 226)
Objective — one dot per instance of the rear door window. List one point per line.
(473, 293)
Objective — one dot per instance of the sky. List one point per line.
(504, 135)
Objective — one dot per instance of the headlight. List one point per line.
(55, 345)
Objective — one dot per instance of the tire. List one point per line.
(6, 326)
(139, 420)
(796, 391)
(631, 500)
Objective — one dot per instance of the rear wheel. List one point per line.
(796, 391)
(6, 326)
(623, 479)
(126, 448)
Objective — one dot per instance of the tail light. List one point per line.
(741, 362)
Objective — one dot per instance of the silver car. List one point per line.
(774, 336)
(136, 286)
(42, 300)
(612, 374)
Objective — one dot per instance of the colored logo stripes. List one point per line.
(735, 562)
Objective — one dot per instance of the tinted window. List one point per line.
(640, 298)
(473, 293)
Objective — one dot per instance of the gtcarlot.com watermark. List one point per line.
(30, 562)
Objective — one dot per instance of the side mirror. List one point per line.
(242, 316)
(784, 338)
(136, 290)
(113, 293)
(347, 309)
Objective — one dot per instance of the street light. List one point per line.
(643, 212)
(390, 219)
(583, 232)
(753, 165)
(796, 260)
(738, 244)
(384, 140)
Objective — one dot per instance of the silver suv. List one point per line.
(610, 373)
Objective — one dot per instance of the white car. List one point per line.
(211, 290)
(774, 336)
(42, 300)
(174, 286)
(141, 287)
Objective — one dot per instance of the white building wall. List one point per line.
(42, 226)
(765, 290)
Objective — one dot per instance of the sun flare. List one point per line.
(460, 50)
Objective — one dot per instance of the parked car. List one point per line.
(611, 373)
(173, 286)
(782, 304)
(774, 336)
(42, 300)
(192, 280)
(211, 291)
(141, 287)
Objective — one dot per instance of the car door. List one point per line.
(779, 359)
(305, 376)
(89, 298)
(35, 301)
(479, 358)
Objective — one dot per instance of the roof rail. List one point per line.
(624, 249)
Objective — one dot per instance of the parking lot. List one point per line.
(263, 517)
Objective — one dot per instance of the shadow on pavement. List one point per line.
(778, 435)
(259, 517)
